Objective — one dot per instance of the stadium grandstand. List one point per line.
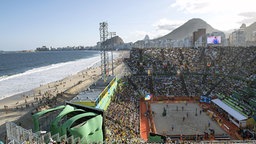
(97, 95)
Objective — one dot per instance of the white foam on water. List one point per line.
(18, 83)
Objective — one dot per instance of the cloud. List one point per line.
(248, 17)
(191, 6)
(167, 27)
(166, 24)
(140, 35)
(160, 28)
(214, 6)
(133, 36)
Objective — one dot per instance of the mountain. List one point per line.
(188, 28)
(113, 41)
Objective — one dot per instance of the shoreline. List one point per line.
(19, 108)
(32, 91)
(51, 88)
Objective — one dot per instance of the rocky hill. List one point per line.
(188, 28)
(113, 41)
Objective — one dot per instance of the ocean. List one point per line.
(24, 71)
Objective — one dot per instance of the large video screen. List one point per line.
(213, 39)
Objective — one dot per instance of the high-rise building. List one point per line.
(199, 38)
(237, 37)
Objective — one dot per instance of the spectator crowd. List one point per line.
(122, 116)
(194, 72)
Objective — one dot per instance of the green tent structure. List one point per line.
(90, 131)
(73, 120)
(68, 110)
(37, 116)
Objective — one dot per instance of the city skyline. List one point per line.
(28, 24)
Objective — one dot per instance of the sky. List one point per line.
(28, 24)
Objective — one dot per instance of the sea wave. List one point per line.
(39, 69)
(3, 77)
(28, 80)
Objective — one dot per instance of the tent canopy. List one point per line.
(229, 110)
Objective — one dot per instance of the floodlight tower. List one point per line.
(112, 34)
(104, 56)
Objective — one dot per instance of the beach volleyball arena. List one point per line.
(179, 118)
(167, 95)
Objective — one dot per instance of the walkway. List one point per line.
(144, 126)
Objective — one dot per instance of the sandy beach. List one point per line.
(19, 108)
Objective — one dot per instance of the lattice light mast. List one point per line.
(112, 34)
(104, 56)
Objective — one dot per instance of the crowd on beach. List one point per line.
(49, 93)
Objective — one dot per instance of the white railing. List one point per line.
(19, 135)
